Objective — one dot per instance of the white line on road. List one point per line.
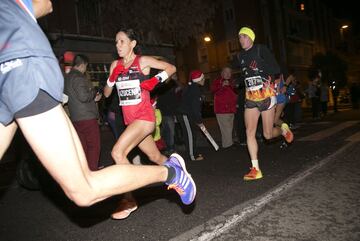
(220, 224)
(328, 132)
(354, 138)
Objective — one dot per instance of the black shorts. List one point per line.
(42, 103)
(262, 105)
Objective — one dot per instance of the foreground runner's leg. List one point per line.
(7, 134)
(64, 159)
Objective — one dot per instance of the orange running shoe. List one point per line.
(287, 133)
(253, 174)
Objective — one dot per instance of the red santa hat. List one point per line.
(69, 57)
(196, 76)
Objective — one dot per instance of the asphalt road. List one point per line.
(226, 207)
(322, 206)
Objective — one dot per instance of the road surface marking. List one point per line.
(222, 223)
(354, 138)
(328, 132)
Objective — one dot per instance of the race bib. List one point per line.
(129, 92)
(253, 83)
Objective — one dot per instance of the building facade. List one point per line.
(76, 26)
(294, 30)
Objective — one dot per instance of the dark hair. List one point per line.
(131, 34)
(80, 59)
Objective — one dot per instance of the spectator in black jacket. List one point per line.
(83, 111)
(190, 113)
(168, 102)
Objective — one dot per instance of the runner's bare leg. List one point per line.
(64, 158)
(251, 117)
(6, 135)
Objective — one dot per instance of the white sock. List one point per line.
(255, 163)
(136, 160)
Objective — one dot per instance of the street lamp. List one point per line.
(342, 29)
(207, 39)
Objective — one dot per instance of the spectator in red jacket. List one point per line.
(225, 100)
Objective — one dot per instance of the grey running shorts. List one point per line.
(20, 83)
(262, 105)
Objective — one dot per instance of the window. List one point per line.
(98, 72)
(302, 7)
(88, 17)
